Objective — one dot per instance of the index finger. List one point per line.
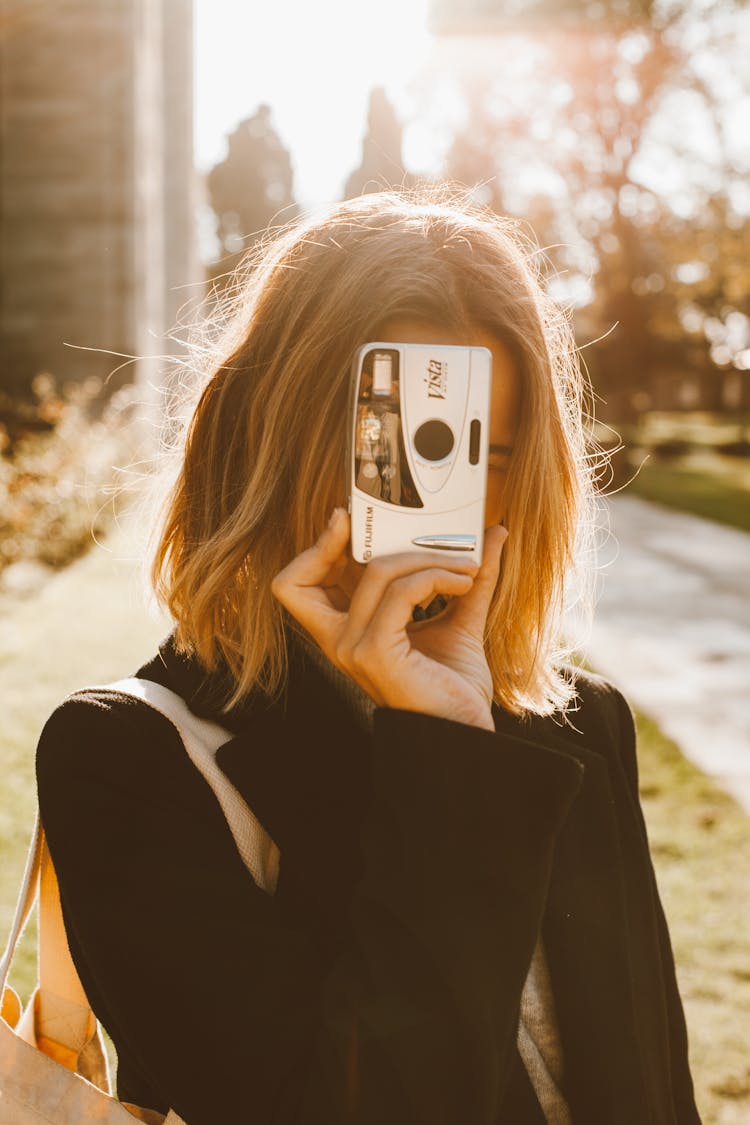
(298, 585)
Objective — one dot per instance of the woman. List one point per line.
(466, 928)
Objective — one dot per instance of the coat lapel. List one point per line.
(586, 935)
(599, 932)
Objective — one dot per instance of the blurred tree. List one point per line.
(483, 16)
(467, 163)
(662, 271)
(251, 189)
(615, 84)
(580, 115)
(710, 269)
(381, 166)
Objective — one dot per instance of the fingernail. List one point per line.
(336, 515)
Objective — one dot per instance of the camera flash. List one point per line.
(382, 369)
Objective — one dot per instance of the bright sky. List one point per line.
(314, 63)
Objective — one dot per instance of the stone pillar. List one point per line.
(184, 272)
(85, 136)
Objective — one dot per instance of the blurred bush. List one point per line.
(671, 448)
(740, 448)
(64, 460)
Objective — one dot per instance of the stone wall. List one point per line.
(95, 105)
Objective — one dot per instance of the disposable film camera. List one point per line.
(417, 452)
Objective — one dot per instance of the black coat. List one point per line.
(381, 984)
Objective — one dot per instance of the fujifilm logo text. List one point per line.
(436, 379)
(368, 532)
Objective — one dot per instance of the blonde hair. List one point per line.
(259, 466)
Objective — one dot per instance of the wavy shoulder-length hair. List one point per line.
(258, 466)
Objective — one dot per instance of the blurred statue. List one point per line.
(251, 189)
(381, 166)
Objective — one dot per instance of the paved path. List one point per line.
(672, 629)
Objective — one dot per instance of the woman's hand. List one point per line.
(435, 666)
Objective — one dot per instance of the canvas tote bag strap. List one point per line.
(202, 738)
(62, 1015)
(60, 1019)
(26, 900)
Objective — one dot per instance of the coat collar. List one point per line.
(202, 690)
(599, 926)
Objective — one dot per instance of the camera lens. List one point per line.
(433, 440)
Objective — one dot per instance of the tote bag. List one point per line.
(53, 1066)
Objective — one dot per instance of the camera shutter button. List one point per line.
(434, 440)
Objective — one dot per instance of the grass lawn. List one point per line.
(86, 625)
(701, 480)
(700, 844)
(716, 488)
